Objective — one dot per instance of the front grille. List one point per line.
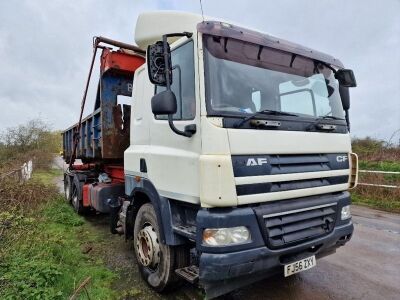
(284, 164)
(300, 225)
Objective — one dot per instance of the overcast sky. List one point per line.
(45, 49)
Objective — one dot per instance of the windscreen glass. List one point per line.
(243, 78)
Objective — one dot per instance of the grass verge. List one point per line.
(42, 255)
(389, 204)
(47, 177)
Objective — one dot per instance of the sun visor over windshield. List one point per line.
(224, 30)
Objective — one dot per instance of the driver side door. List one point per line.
(173, 164)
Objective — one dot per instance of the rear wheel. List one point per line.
(157, 261)
(76, 200)
(67, 189)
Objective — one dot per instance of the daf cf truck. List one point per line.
(232, 161)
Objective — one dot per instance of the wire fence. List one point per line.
(379, 185)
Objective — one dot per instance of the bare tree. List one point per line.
(25, 137)
(33, 140)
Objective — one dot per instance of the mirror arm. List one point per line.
(189, 129)
(347, 117)
(168, 69)
(185, 33)
(324, 64)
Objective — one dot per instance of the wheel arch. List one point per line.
(145, 192)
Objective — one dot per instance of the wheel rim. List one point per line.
(148, 247)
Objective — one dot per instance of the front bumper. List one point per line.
(237, 264)
(216, 267)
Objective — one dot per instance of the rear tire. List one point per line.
(157, 262)
(67, 189)
(76, 200)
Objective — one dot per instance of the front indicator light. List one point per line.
(346, 214)
(226, 236)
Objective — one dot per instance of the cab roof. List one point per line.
(150, 27)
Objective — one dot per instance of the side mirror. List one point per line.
(156, 63)
(160, 73)
(164, 103)
(346, 78)
(345, 96)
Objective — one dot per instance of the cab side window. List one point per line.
(182, 82)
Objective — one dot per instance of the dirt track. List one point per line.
(368, 267)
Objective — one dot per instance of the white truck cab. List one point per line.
(242, 139)
(239, 161)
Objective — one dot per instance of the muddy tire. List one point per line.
(67, 189)
(157, 262)
(76, 200)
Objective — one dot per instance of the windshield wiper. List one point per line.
(263, 112)
(330, 117)
(317, 123)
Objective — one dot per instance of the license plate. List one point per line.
(300, 265)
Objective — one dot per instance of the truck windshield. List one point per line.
(243, 78)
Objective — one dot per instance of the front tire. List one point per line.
(157, 261)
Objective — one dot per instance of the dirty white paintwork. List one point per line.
(199, 169)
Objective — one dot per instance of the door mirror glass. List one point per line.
(346, 78)
(164, 103)
(156, 64)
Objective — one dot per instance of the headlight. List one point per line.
(226, 236)
(346, 214)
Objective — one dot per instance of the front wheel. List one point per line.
(157, 261)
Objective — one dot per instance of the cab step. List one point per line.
(188, 231)
(190, 273)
